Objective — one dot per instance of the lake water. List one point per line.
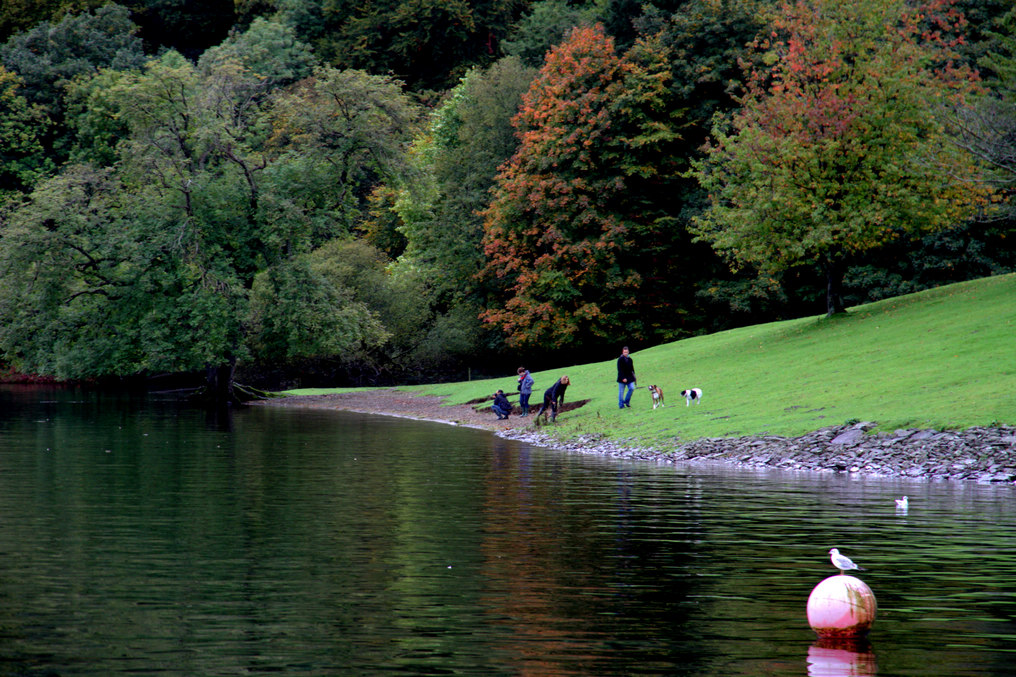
(141, 537)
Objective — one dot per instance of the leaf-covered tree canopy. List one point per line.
(469, 137)
(51, 54)
(426, 43)
(217, 180)
(17, 16)
(561, 229)
(267, 48)
(987, 129)
(838, 146)
(546, 24)
(23, 160)
(264, 192)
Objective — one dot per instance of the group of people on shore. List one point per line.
(502, 407)
(553, 397)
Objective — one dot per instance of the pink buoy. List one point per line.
(841, 606)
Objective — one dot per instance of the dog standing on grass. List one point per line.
(692, 395)
(657, 393)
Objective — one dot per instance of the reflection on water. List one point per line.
(840, 658)
(143, 537)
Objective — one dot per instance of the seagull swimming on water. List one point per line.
(842, 562)
(903, 503)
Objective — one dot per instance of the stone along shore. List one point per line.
(976, 454)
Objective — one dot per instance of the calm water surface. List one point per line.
(146, 538)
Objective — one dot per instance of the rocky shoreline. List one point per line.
(986, 455)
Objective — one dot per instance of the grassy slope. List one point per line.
(937, 359)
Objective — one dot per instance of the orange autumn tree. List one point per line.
(839, 146)
(560, 233)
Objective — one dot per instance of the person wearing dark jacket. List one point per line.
(553, 397)
(502, 407)
(625, 379)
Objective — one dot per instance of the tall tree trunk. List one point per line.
(219, 381)
(834, 286)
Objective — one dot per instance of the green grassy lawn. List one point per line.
(944, 358)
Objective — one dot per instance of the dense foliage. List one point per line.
(838, 146)
(332, 192)
(565, 225)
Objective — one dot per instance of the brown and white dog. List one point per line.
(692, 395)
(657, 393)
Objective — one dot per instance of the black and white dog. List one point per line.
(693, 395)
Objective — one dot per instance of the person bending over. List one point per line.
(553, 398)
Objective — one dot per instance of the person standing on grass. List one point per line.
(625, 379)
(525, 389)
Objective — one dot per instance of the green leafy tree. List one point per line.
(86, 291)
(339, 134)
(394, 297)
(426, 43)
(94, 125)
(344, 314)
(154, 260)
(298, 311)
(839, 146)
(53, 57)
(988, 128)
(52, 54)
(249, 10)
(23, 159)
(381, 227)
(184, 25)
(469, 137)
(708, 41)
(267, 48)
(621, 17)
(546, 24)
(981, 17)
(456, 159)
(17, 16)
(562, 231)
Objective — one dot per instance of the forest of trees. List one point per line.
(294, 192)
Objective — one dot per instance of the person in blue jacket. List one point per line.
(525, 390)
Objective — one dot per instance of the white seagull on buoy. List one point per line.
(903, 503)
(842, 562)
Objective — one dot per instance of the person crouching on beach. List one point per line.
(502, 407)
(552, 398)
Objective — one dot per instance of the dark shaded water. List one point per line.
(146, 538)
